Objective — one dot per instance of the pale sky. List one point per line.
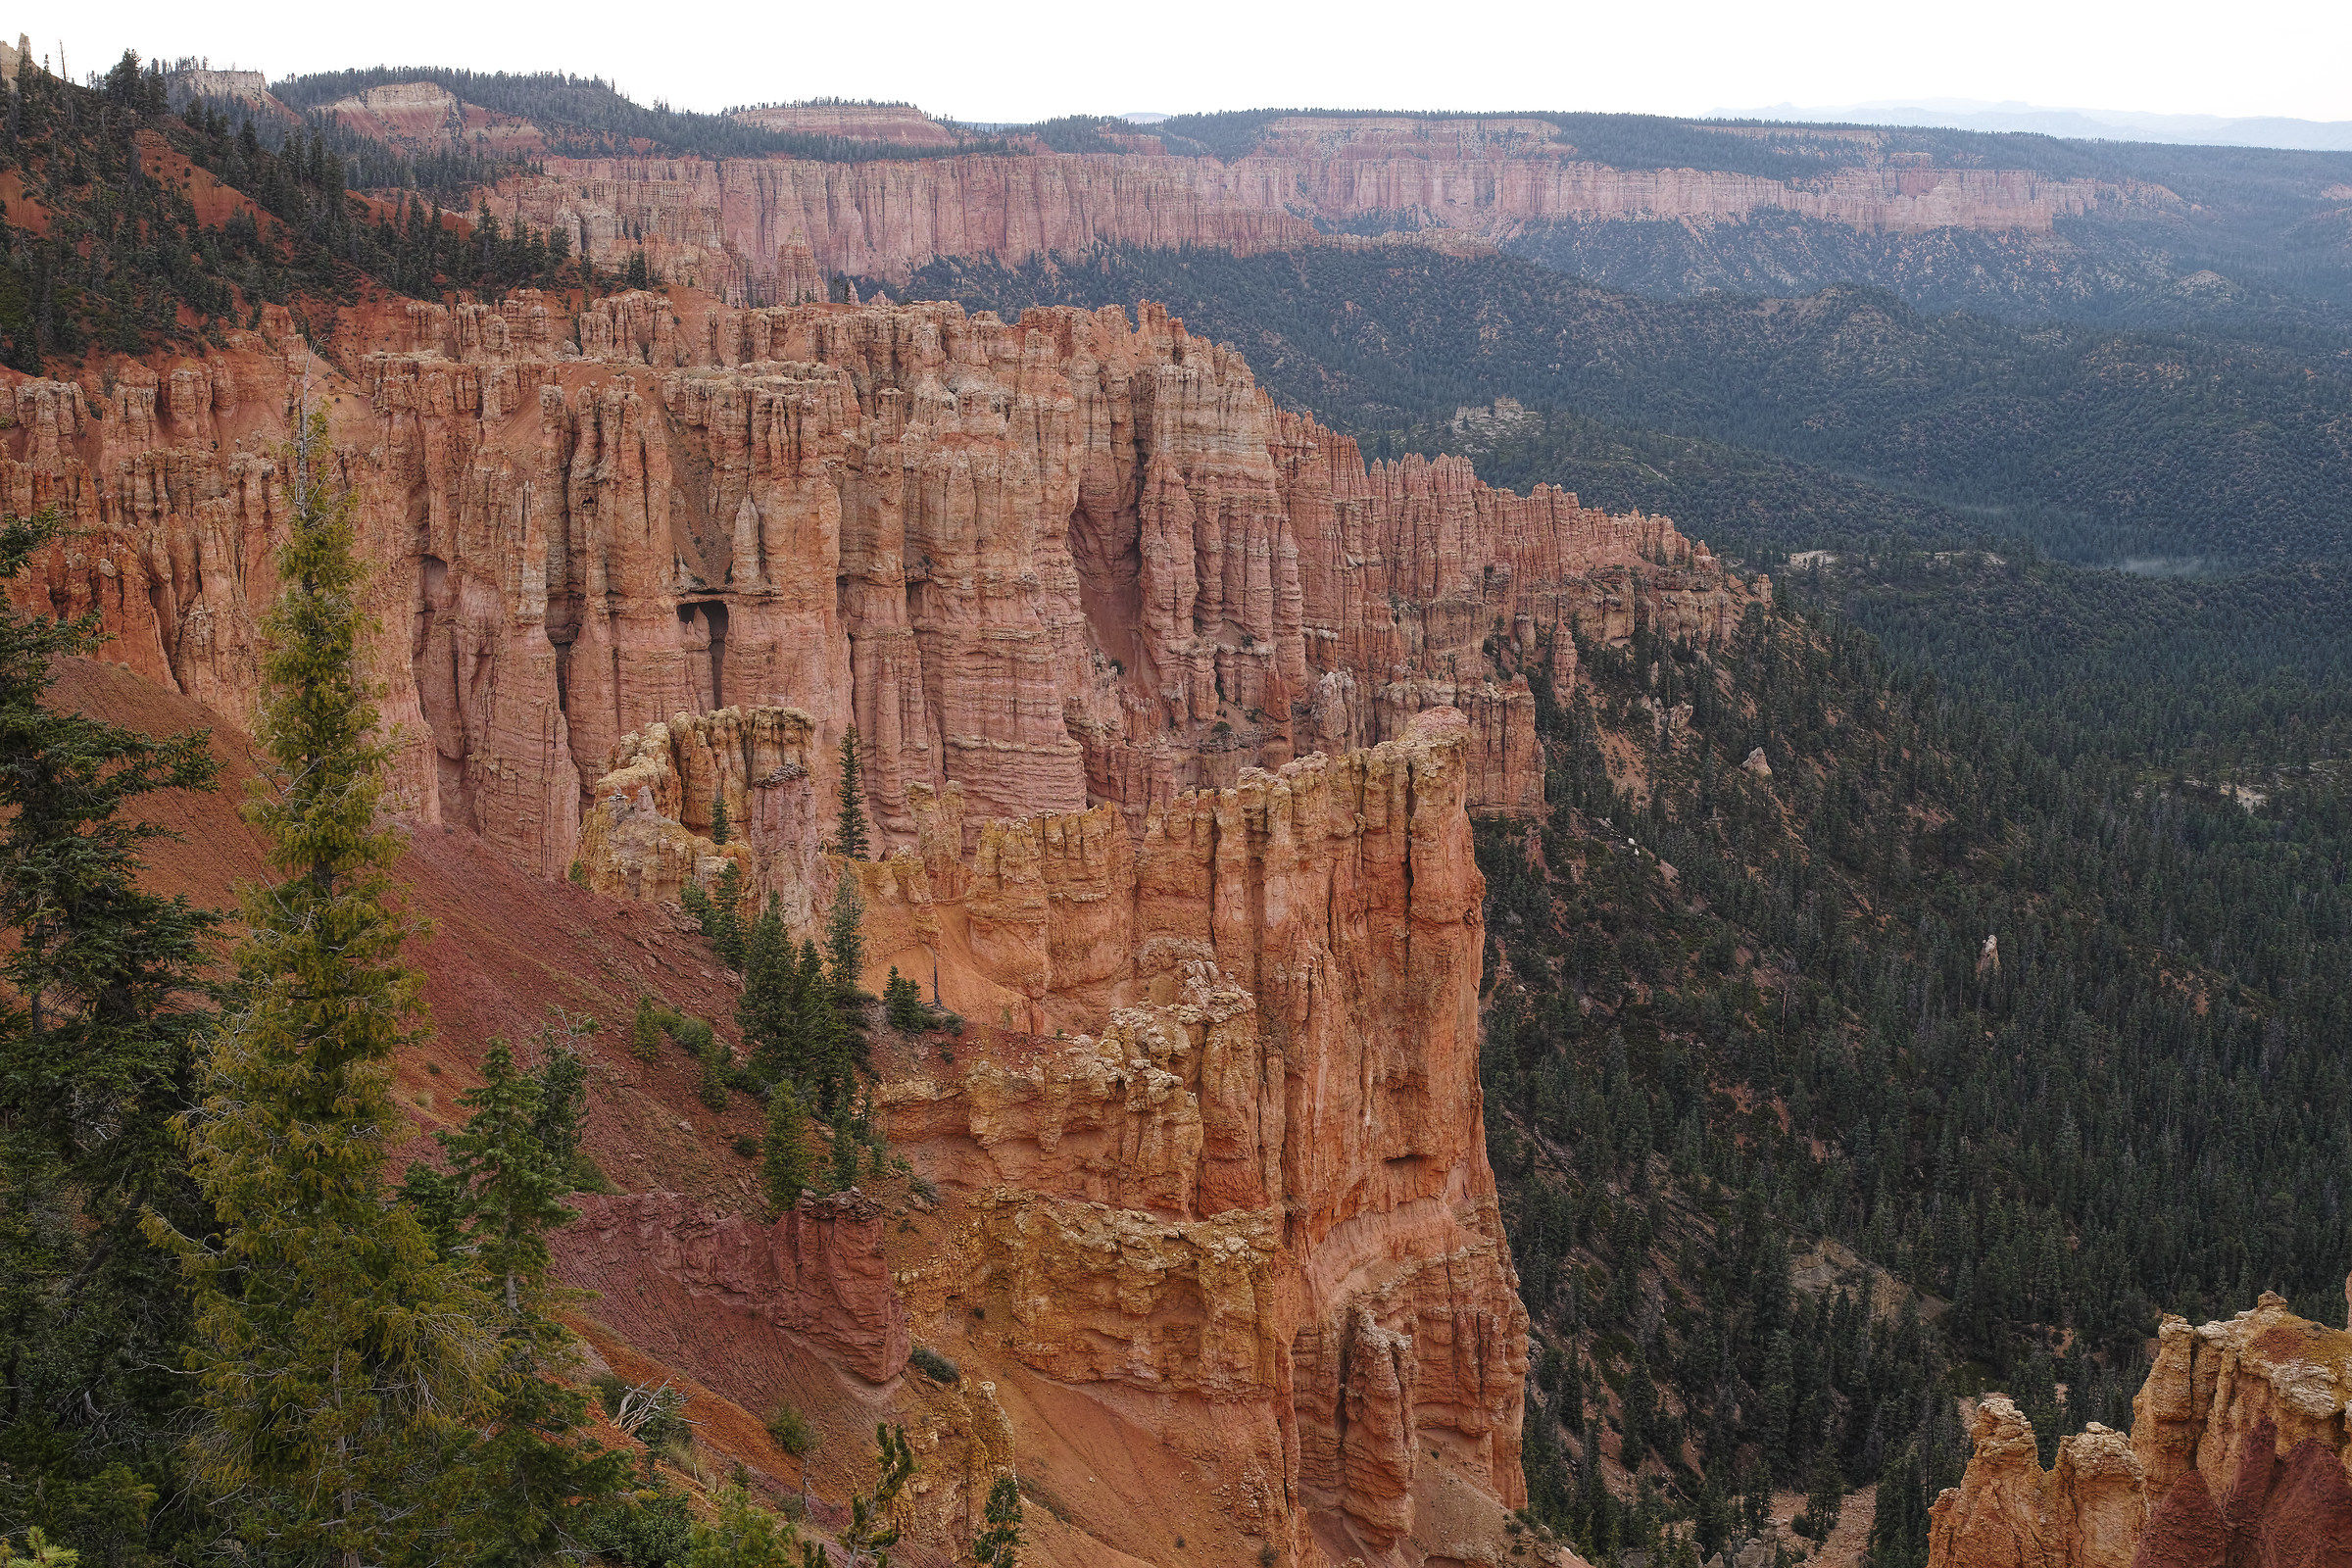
(1019, 62)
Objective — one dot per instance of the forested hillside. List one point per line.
(2047, 1041)
(2095, 445)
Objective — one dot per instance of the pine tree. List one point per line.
(767, 1015)
(725, 927)
(645, 1032)
(340, 1358)
(999, 1543)
(845, 938)
(98, 1034)
(849, 840)
(903, 1000)
(532, 1475)
(873, 1529)
(742, 1535)
(1825, 1498)
(845, 1146)
(786, 1167)
(721, 831)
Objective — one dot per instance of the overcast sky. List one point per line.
(1010, 61)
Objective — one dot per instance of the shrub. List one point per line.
(791, 1430)
(933, 1365)
(745, 1144)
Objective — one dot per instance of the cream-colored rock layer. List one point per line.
(1078, 560)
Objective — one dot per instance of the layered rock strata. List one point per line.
(725, 222)
(1076, 560)
(2238, 1458)
(1252, 1197)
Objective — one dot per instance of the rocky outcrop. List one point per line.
(720, 223)
(2238, 1458)
(686, 1285)
(1081, 559)
(1257, 1189)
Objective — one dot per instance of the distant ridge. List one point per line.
(2110, 125)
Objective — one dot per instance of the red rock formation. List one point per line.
(2251, 1410)
(1079, 559)
(717, 223)
(691, 1288)
(1258, 1192)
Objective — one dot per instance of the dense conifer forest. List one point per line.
(2044, 1046)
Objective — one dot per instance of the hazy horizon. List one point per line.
(1061, 58)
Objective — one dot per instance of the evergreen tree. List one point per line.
(742, 1535)
(999, 1543)
(645, 1032)
(786, 1169)
(341, 1360)
(874, 1528)
(98, 1031)
(851, 838)
(563, 1085)
(721, 831)
(903, 1000)
(725, 929)
(767, 1016)
(845, 938)
(1825, 1498)
(845, 1146)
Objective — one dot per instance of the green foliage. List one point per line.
(999, 1543)
(845, 939)
(652, 1530)
(791, 1431)
(874, 1528)
(720, 831)
(719, 914)
(1898, 1528)
(849, 836)
(644, 1031)
(2002, 1135)
(742, 1535)
(787, 1168)
(903, 1003)
(99, 1029)
(933, 1365)
(1825, 1498)
(39, 1552)
(342, 1361)
(845, 1146)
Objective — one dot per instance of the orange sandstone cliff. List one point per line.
(1074, 560)
(1174, 714)
(2236, 1458)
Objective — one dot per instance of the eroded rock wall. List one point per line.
(1077, 559)
(2238, 1458)
(1254, 1184)
(733, 222)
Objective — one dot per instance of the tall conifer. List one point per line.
(850, 839)
(340, 1356)
(99, 1022)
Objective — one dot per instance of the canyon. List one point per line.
(2236, 1458)
(1174, 714)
